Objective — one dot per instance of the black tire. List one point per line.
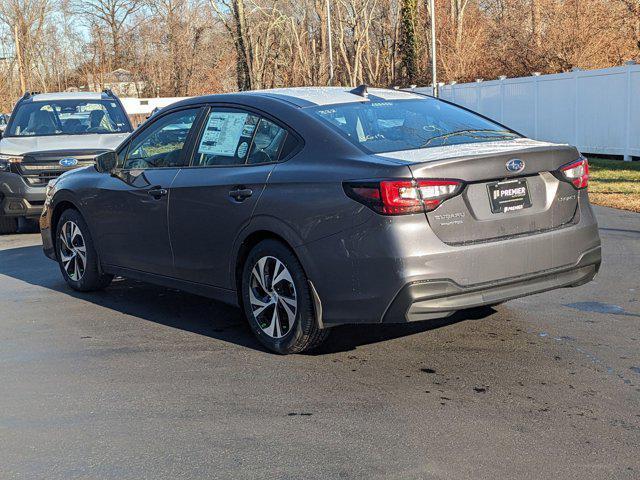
(304, 335)
(92, 277)
(8, 225)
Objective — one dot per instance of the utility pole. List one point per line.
(23, 82)
(329, 43)
(434, 72)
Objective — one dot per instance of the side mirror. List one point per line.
(106, 162)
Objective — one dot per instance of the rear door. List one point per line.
(505, 193)
(214, 198)
(131, 209)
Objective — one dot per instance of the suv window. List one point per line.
(68, 117)
(161, 143)
(235, 137)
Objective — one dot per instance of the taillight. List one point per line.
(400, 197)
(434, 192)
(577, 172)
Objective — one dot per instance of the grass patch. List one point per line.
(614, 183)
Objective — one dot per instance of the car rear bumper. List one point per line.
(17, 199)
(396, 269)
(438, 298)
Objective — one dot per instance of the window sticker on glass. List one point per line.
(242, 149)
(222, 133)
(248, 129)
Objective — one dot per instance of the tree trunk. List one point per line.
(408, 41)
(243, 70)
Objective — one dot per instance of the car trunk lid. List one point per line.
(489, 206)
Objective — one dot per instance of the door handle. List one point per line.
(239, 194)
(157, 192)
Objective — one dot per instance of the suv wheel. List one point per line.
(8, 225)
(277, 301)
(76, 254)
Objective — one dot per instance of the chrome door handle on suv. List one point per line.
(239, 193)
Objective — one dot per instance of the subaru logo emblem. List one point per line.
(68, 162)
(515, 165)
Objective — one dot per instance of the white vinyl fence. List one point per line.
(144, 106)
(596, 110)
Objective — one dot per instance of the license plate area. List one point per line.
(509, 195)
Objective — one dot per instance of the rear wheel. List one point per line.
(8, 225)
(76, 254)
(277, 300)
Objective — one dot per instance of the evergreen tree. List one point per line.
(408, 41)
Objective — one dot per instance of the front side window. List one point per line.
(235, 137)
(388, 126)
(68, 117)
(161, 144)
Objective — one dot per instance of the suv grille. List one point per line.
(38, 168)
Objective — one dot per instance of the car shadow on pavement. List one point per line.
(197, 314)
(348, 337)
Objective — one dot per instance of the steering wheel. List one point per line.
(260, 156)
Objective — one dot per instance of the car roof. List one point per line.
(318, 96)
(48, 97)
(303, 97)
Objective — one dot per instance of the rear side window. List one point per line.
(267, 142)
(291, 144)
(237, 137)
(378, 125)
(226, 138)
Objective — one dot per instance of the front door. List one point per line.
(214, 198)
(132, 226)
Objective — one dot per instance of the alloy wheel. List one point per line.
(73, 251)
(272, 294)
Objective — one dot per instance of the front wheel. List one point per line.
(77, 255)
(277, 300)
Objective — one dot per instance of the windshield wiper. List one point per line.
(469, 132)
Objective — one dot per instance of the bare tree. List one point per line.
(236, 24)
(632, 8)
(26, 19)
(187, 47)
(112, 17)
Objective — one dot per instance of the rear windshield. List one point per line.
(389, 126)
(68, 117)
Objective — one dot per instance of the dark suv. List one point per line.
(48, 134)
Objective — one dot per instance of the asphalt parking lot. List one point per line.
(141, 382)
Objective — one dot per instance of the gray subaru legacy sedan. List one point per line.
(316, 207)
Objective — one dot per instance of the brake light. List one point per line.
(577, 173)
(400, 197)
